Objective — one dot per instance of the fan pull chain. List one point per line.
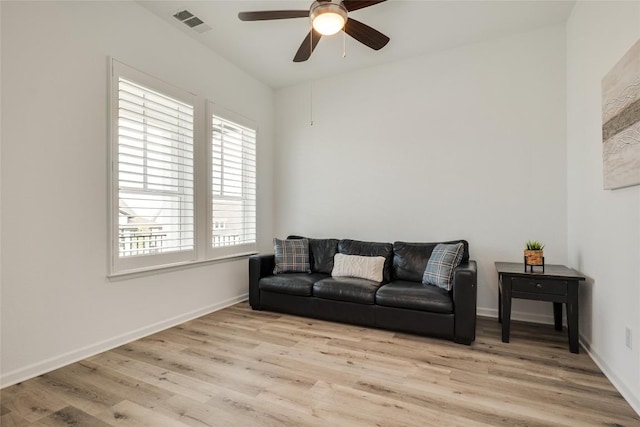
(311, 83)
(311, 104)
(344, 44)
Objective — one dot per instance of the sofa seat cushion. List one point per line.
(415, 296)
(349, 289)
(291, 283)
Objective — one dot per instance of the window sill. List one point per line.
(147, 271)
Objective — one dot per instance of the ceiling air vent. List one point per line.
(191, 21)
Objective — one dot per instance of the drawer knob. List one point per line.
(538, 285)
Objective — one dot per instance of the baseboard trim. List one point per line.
(48, 365)
(629, 396)
(517, 315)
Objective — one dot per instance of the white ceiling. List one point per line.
(265, 49)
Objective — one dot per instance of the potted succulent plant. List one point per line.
(533, 254)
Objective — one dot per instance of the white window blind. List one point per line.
(233, 185)
(154, 174)
(182, 179)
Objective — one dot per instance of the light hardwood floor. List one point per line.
(239, 367)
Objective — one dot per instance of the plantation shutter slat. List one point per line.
(233, 184)
(155, 172)
(153, 147)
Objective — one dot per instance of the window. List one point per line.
(160, 188)
(233, 182)
(152, 172)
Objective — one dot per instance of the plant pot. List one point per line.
(534, 257)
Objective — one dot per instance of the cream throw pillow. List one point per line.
(363, 267)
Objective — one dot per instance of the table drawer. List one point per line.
(539, 286)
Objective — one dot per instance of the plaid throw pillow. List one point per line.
(291, 256)
(440, 266)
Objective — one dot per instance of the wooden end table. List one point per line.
(557, 284)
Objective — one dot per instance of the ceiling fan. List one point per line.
(327, 17)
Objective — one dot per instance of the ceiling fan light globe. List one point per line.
(328, 24)
(328, 18)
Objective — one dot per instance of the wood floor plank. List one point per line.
(239, 367)
(12, 419)
(194, 367)
(77, 395)
(113, 383)
(158, 376)
(226, 331)
(362, 407)
(129, 414)
(261, 371)
(196, 414)
(31, 403)
(264, 413)
(70, 416)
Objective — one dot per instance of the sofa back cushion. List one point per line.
(410, 259)
(356, 247)
(321, 253)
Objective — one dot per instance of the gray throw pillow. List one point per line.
(291, 256)
(444, 259)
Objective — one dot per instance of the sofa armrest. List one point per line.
(465, 294)
(259, 266)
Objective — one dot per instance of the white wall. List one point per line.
(57, 304)
(468, 143)
(603, 226)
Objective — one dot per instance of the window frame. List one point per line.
(132, 264)
(243, 249)
(202, 252)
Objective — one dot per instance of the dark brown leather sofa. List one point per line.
(401, 302)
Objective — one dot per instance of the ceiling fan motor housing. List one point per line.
(331, 15)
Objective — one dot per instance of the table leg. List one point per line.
(572, 317)
(499, 305)
(557, 315)
(506, 309)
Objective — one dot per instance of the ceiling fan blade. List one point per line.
(305, 50)
(267, 15)
(358, 4)
(365, 34)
